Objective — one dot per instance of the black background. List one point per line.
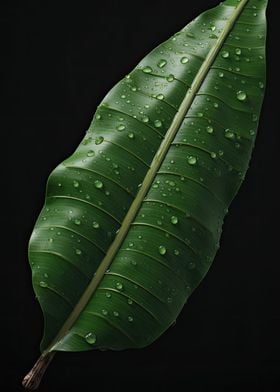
(58, 63)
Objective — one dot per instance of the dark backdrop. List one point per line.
(58, 63)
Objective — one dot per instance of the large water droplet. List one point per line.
(229, 134)
(120, 127)
(241, 95)
(162, 63)
(95, 225)
(225, 54)
(145, 119)
(90, 338)
(160, 97)
(238, 51)
(174, 220)
(157, 123)
(192, 160)
(147, 69)
(184, 60)
(213, 155)
(162, 250)
(98, 184)
(119, 286)
(170, 78)
(209, 129)
(99, 139)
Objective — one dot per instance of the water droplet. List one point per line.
(50, 240)
(90, 153)
(130, 319)
(120, 127)
(46, 275)
(221, 74)
(170, 78)
(129, 301)
(176, 252)
(213, 155)
(43, 284)
(78, 251)
(252, 132)
(238, 51)
(76, 184)
(160, 97)
(59, 184)
(199, 114)
(261, 85)
(209, 129)
(90, 338)
(145, 119)
(104, 311)
(216, 105)
(108, 295)
(134, 262)
(131, 135)
(119, 286)
(157, 123)
(241, 95)
(184, 60)
(225, 54)
(99, 139)
(95, 225)
(161, 63)
(174, 220)
(147, 69)
(77, 222)
(131, 244)
(115, 313)
(229, 134)
(189, 34)
(162, 250)
(98, 184)
(192, 160)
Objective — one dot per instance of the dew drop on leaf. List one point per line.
(161, 63)
(76, 184)
(241, 95)
(95, 225)
(90, 338)
(162, 250)
(119, 286)
(98, 184)
(174, 220)
(147, 69)
(225, 54)
(192, 160)
(184, 60)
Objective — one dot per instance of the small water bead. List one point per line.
(120, 127)
(104, 311)
(50, 240)
(129, 301)
(241, 95)
(98, 184)
(90, 338)
(90, 153)
(225, 54)
(76, 184)
(160, 97)
(161, 63)
(261, 85)
(46, 275)
(108, 295)
(157, 123)
(238, 51)
(130, 319)
(78, 252)
(59, 184)
(43, 284)
(170, 78)
(209, 129)
(192, 160)
(95, 225)
(254, 118)
(115, 313)
(176, 252)
(184, 60)
(147, 69)
(213, 155)
(162, 250)
(99, 140)
(133, 262)
(252, 132)
(145, 119)
(189, 34)
(77, 222)
(131, 135)
(199, 114)
(216, 105)
(174, 220)
(229, 134)
(119, 286)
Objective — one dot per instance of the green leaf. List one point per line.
(132, 220)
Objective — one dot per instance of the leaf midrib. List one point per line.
(149, 178)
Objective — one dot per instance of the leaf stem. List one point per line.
(33, 378)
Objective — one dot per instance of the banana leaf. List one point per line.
(132, 219)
